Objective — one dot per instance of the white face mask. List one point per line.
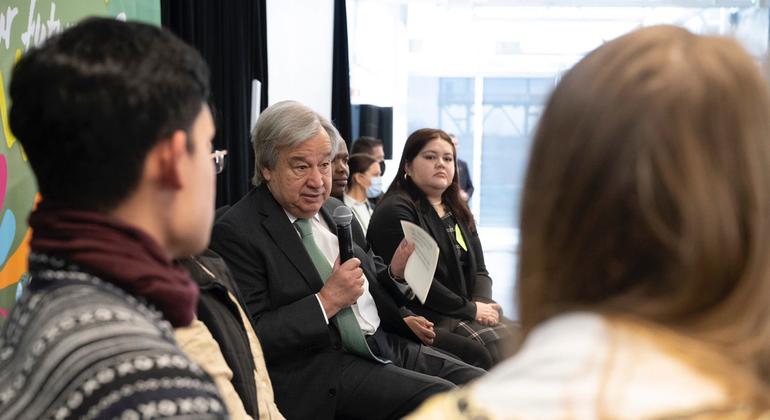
(375, 190)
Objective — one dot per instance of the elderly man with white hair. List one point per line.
(335, 342)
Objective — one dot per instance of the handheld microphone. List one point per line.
(342, 217)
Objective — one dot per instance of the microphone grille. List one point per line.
(342, 216)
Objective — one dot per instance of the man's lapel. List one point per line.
(285, 236)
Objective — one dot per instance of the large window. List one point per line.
(483, 70)
(511, 107)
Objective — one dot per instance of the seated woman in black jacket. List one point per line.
(425, 191)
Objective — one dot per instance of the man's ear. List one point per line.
(169, 155)
(266, 174)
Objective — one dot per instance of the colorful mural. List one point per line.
(23, 25)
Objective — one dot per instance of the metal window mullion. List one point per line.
(478, 138)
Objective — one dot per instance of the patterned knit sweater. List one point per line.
(75, 346)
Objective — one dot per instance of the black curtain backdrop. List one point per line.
(232, 37)
(341, 116)
(374, 121)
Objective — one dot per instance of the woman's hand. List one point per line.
(400, 257)
(422, 328)
(488, 313)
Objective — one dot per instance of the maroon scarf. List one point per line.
(119, 254)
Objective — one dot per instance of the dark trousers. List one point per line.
(464, 348)
(371, 390)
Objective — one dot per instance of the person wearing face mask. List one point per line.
(364, 182)
(375, 148)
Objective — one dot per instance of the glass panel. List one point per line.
(511, 109)
(456, 97)
(424, 57)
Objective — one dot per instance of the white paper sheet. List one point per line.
(422, 263)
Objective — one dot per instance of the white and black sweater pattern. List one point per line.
(75, 346)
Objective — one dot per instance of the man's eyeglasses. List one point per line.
(218, 156)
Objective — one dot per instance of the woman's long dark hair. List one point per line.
(451, 196)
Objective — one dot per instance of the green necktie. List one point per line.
(352, 338)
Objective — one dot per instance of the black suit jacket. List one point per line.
(278, 283)
(222, 318)
(466, 184)
(453, 291)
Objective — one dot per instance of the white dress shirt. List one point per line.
(364, 309)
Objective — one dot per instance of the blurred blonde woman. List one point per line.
(644, 281)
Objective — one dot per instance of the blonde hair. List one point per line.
(648, 193)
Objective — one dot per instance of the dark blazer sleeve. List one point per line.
(391, 303)
(466, 181)
(378, 270)
(384, 280)
(385, 233)
(378, 265)
(283, 328)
